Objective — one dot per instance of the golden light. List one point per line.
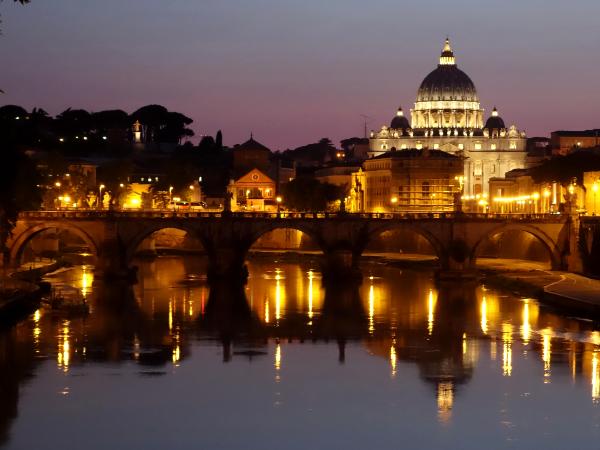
(57, 184)
(536, 196)
(279, 199)
(506, 349)
(102, 186)
(278, 357)
(484, 320)
(431, 300)
(546, 352)
(571, 189)
(393, 359)
(121, 185)
(63, 356)
(595, 377)
(394, 200)
(267, 319)
(547, 192)
(526, 328)
(310, 295)
(191, 187)
(371, 309)
(595, 186)
(445, 400)
(279, 294)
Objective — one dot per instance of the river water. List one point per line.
(284, 363)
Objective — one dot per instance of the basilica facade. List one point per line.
(447, 116)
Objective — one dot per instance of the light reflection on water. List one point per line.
(395, 358)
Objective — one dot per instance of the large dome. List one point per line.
(447, 98)
(447, 83)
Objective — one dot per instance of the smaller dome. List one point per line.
(495, 122)
(399, 121)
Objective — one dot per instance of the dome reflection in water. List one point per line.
(285, 362)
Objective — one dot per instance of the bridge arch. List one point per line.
(267, 228)
(552, 247)
(147, 232)
(19, 243)
(436, 244)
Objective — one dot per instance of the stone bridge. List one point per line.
(114, 236)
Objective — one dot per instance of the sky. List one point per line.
(293, 72)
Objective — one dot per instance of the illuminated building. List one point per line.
(565, 142)
(447, 116)
(410, 180)
(253, 191)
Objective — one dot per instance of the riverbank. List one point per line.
(18, 299)
(20, 292)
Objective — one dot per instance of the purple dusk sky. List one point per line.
(296, 71)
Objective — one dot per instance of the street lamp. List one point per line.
(536, 197)
(547, 199)
(278, 200)
(57, 184)
(394, 202)
(100, 202)
(170, 195)
(595, 191)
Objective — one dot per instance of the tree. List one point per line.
(219, 140)
(309, 194)
(312, 154)
(19, 189)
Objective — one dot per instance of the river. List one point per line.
(284, 363)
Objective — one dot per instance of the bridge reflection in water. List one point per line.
(403, 320)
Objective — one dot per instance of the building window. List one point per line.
(461, 146)
(436, 146)
(493, 146)
(425, 189)
(477, 146)
(513, 145)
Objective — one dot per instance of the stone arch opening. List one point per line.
(165, 241)
(404, 240)
(284, 238)
(508, 244)
(52, 239)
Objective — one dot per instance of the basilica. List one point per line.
(447, 116)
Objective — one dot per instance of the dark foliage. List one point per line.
(309, 194)
(566, 168)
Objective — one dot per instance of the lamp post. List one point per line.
(394, 201)
(595, 191)
(170, 195)
(536, 197)
(547, 200)
(100, 202)
(278, 200)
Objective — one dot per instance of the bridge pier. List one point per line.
(457, 262)
(340, 265)
(227, 264)
(113, 262)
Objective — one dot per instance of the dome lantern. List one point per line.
(447, 57)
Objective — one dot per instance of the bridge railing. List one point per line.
(289, 215)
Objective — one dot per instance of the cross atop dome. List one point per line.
(447, 57)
